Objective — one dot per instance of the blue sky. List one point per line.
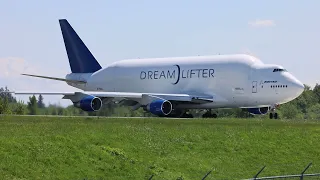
(283, 32)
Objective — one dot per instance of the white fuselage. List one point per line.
(235, 80)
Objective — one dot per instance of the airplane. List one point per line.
(171, 87)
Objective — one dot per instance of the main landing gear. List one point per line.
(178, 113)
(273, 114)
(186, 115)
(209, 114)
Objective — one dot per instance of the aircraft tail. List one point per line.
(80, 58)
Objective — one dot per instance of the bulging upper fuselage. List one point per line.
(234, 80)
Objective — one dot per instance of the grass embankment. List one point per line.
(79, 148)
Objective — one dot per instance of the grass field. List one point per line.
(116, 148)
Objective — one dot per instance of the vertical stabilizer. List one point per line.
(80, 58)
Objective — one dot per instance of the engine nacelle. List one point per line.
(90, 103)
(160, 107)
(261, 110)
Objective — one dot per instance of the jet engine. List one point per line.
(90, 103)
(261, 110)
(160, 107)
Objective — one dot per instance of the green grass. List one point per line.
(116, 148)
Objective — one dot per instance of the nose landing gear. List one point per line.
(273, 114)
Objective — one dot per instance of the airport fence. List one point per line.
(301, 176)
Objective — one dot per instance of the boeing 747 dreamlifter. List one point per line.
(169, 87)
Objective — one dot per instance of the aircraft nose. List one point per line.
(298, 87)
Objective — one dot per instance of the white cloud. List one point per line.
(10, 76)
(262, 23)
(10, 66)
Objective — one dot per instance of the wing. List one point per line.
(142, 98)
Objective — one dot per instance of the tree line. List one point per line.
(306, 106)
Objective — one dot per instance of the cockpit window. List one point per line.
(279, 70)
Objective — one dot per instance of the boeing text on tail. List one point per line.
(169, 87)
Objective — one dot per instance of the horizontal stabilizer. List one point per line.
(55, 78)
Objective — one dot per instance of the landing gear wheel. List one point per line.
(205, 115)
(186, 115)
(271, 116)
(208, 114)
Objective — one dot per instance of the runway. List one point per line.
(96, 117)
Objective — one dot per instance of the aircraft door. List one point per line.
(254, 86)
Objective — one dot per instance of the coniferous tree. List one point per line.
(40, 102)
(32, 105)
(4, 93)
(316, 91)
(4, 105)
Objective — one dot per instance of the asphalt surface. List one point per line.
(97, 117)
